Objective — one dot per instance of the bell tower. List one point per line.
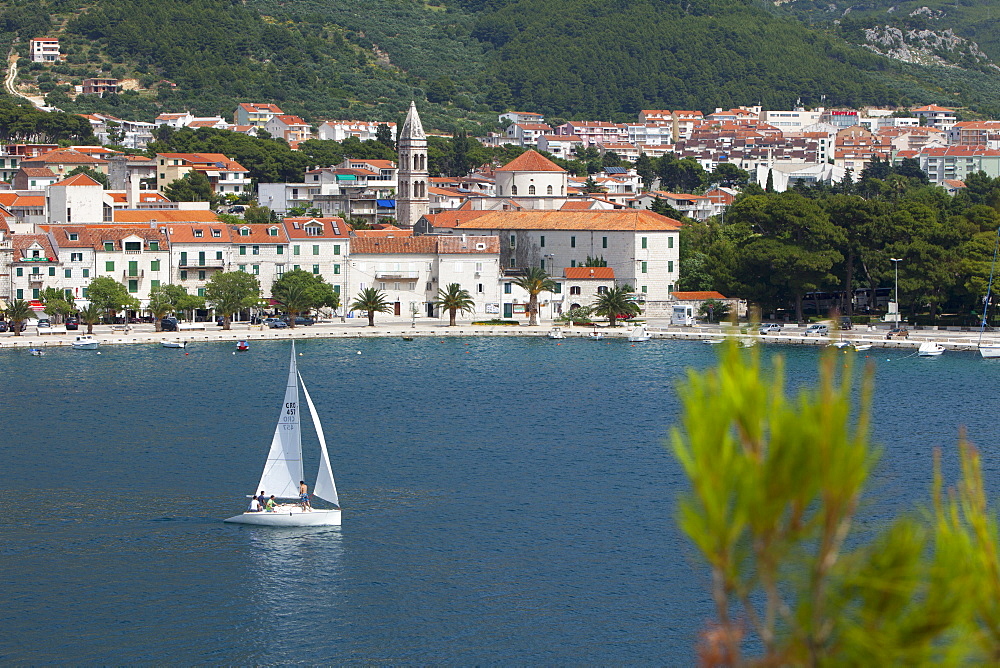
(412, 201)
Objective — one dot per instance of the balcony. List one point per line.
(396, 275)
(35, 279)
(133, 275)
(207, 263)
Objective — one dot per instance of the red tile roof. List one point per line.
(624, 220)
(531, 161)
(78, 180)
(258, 234)
(165, 216)
(578, 273)
(697, 296)
(385, 245)
(21, 243)
(332, 228)
(181, 233)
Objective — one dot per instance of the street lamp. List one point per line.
(896, 261)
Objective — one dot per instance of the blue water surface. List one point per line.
(506, 501)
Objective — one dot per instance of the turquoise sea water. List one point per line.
(505, 501)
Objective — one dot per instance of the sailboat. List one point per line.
(283, 469)
(990, 349)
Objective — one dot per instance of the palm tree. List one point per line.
(373, 301)
(536, 280)
(616, 302)
(454, 298)
(17, 312)
(91, 316)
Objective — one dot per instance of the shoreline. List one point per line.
(144, 334)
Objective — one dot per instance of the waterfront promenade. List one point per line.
(357, 328)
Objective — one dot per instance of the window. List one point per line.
(336, 249)
(184, 275)
(644, 242)
(67, 273)
(295, 250)
(74, 237)
(20, 271)
(295, 267)
(336, 269)
(256, 269)
(244, 231)
(574, 289)
(314, 231)
(198, 233)
(242, 268)
(109, 246)
(395, 286)
(133, 246)
(381, 286)
(572, 242)
(52, 271)
(541, 241)
(280, 249)
(20, 293)
(643, 270)
(336, 289)
(201, 275)
(513, 190)
(154, 284)
(670, 242)
(201, 292)
(109, 266)
(133, 268)
(479, 288)
(154, 265)
(76, 257)
(217, 233)
(531, 190)
(643, 290)
(68, 294)
(279, 269)
(602, 289)
(513, 241)
(507, 288)
(272, 231)
(542, 264)
(133, 286)
(86, 274)
(670, 265)
(572, 263)
(316, 270)
(558, 289)
(513, 263)
(548, 190)
(256, 250)
(315, 250)
(604, 242)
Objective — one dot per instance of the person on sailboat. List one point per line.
(255, 506)
(262, 498)
(269, 507)
(304, 495)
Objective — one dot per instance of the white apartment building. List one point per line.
(362, 130)
(262, 251)
(44, 51)
(411, 270)
(320, 246)
(791, 121)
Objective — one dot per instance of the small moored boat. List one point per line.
(85, 342)
(595, 336)
(242, 346)
(556, 333)
(930, 349)
(173, 343)
(36, 352)
(862, 346)
(639, 334)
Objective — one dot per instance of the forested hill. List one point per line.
(466, 59)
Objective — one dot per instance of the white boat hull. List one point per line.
(173, 344)
(289, 516)
(990, 351)
(92, 345)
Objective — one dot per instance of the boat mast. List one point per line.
(989, 289)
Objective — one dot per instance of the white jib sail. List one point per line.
(283, 469)
(325, 488)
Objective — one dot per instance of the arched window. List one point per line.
(548, 190)
(531, 190)
(404, 189)
(513, 191)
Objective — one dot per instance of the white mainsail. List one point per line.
(325, 488)
(283, 469)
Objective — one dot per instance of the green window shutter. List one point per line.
(315, 250)
(218, 255)
(20, 293)
(201, 292)
(315, 268)
(541, 241)
(572, 242)
(604, 242)
(154, 245)
(336, 289)
(133, 268)
(670, 242)
(507, 288)
(295, 250)
(670, 265)
(34, 293)
(644, 291)
(644, 267)
(20, 271)
(109, 265)
(280, 249)
(558, 289)
(201, 275)
(184, 275)
(336, 269)
(184, 258)
(133, 286)
(86, 273)
(85, 292)
(644, 242)
(154, 265)
(67, 273)
(243, 250)
(109, 246)
(154, 284)
(201, 258)
(52, 271)
(336, 249)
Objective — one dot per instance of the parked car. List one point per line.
(43, 323)
(845, 323)
(898, 333)
(168, 324)
(770, 328)
(3, 326)
(299, 320)
(9, 326)
(72, 323)
(818, 329)
(277, 324)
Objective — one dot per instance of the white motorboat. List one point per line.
(173, 343)
(36, 352)
(283, 468)
(713, 342)
(840, 344)
(989, 350)
(85, 342)
(748, 342)
(930, 349)
(860, 347)
(556, 333)
(639, 334)
(595, 336)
